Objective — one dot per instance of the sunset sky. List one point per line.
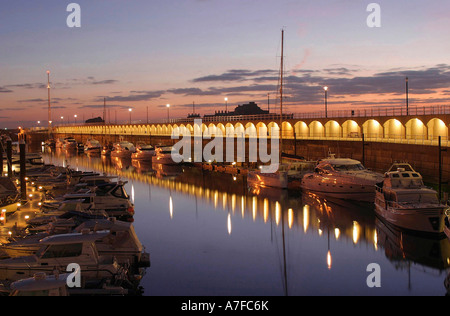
(148, 53)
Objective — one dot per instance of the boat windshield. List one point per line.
(355, 167)
(426, 198)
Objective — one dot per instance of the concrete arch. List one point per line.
(394, 129)
(351, 129)
(261, 129)
(287, 130)
(250, 129)
(274, 129)
(239, 129)
(416, 129)
(373, 129)
(333, 129)
(316, 129)
(301, 129)
(436, 127)
(221, 127)
(229, 130)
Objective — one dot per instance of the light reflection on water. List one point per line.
(209, 234)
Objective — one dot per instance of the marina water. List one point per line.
(209, 234)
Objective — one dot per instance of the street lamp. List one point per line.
(326, 101)
(75, 116)
(168, 113)
(130, 110)
(226, 105)
(407, 96)
(62, 120)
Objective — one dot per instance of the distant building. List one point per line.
(95, 120)
(246, 109)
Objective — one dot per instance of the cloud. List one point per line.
(4, 90)
(108, 106)
(235, 75)
(135, 96)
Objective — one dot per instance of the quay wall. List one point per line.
(377, 156)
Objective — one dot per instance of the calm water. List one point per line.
(209, 234)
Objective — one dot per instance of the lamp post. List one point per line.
(407, 96)
(62, 120)
(75, 117)
(226, 105)
(130, 110)
(168, 113)
(326, 101)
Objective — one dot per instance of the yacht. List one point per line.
(122, 242)
(144, 153)
(56, 253)
(342, 178)
(92, 146)
(123, 149)
(110, 197)
(404, 201)
(70, 143)
(165, 155)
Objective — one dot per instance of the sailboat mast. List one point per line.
(281, 93)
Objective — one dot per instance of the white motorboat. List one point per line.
(110, 197)
(166, 156)
(342, 178)
(56, 253)
(123, 149)
(41, 284)
(92, 146)
(144, 153)
(122, 242)
(70, 144)
(403, 200)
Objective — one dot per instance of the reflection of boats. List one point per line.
(400, 245)
(287, 173)
(144, 153)
(166, 156)
(342, 178)
(41, 284)
(166, 171)
(403, 200)
(70, 143)
(56, 253)
(92, 146)
(123, 149)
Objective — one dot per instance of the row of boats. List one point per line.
(83, 218)
(399, 196)
(122, 149)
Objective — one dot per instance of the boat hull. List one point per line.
(339, 190)
(425, 220)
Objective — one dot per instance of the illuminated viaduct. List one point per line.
(407, 129)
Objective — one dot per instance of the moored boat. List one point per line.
(404, 201)
(144, 153)
(342, 178)
(123, 149)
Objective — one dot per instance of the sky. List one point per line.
(144, 54)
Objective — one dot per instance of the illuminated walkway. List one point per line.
(422, 127)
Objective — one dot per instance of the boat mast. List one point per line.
(281, 94)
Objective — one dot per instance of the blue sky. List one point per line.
(143, 54)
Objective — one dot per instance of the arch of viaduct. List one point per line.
(424, 129)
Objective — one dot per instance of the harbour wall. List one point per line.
(377, 156)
